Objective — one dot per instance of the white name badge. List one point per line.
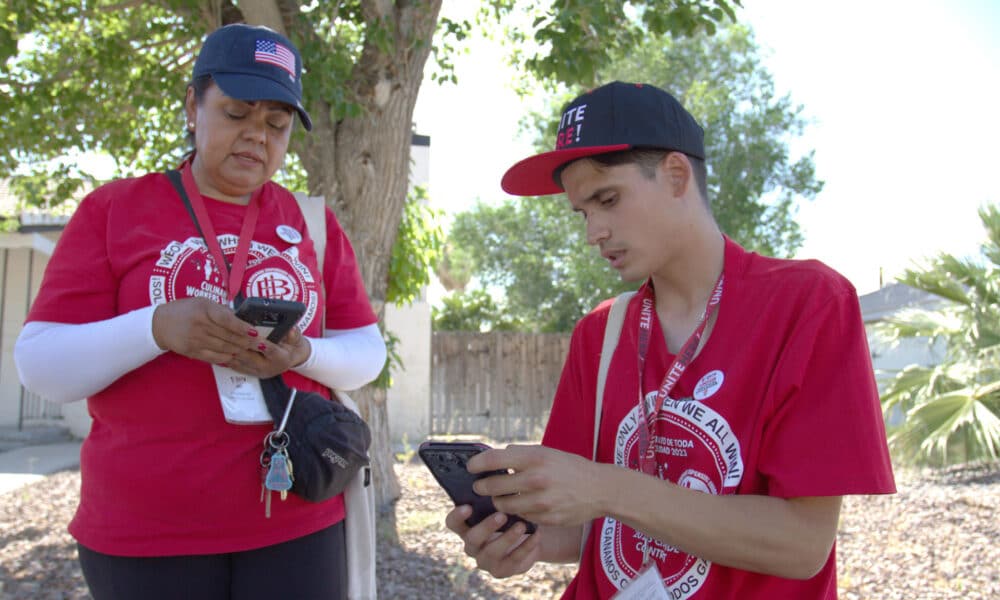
(241, 397)
(648, 585)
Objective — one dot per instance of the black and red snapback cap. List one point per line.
(616, 116)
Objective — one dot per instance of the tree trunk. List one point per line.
(361, 164)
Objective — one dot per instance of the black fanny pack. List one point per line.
(327, 442)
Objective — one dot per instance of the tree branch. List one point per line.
(264, 12)
(373, 10)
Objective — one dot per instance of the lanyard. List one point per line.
(647, 454)
(239, 265)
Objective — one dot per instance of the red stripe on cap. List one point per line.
(533, 175)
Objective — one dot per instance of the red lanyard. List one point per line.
(239, 266)
(647, 454)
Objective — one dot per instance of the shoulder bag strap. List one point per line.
(313, 210)
(175, 179)
(359, 496)
(612, 331)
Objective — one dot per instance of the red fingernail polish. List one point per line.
(252, 333)
(261, 347)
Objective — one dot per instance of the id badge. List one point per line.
(647, 585)
(241, 397)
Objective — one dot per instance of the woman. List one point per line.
(134, 313)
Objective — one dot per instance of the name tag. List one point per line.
(647, 585)
(241, 397)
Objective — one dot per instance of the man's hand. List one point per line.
(547, 486)
(553, 489)
(499, 554)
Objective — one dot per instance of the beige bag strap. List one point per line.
(314, 211)
(359, 497)
(612, 331)
(359, 528)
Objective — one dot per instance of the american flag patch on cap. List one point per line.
(273, 53)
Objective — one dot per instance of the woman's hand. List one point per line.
(267, 359)
(204, 330)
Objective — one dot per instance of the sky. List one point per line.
(902, 100)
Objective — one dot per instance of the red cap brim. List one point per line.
(533, 175)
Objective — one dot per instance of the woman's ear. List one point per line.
(676, 169)
(191, 108)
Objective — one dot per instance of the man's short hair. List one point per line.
(647, 160)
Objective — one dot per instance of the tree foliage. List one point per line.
(536, 252)
(753, 181)
(108, 76)
(952, 409)
(474, 310)
(418, 247)
(534, 249)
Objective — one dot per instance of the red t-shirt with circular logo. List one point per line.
(781, 401)
(163, 473)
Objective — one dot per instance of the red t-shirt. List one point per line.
(162, 472)
(781, 401)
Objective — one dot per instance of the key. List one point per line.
(291, 475)
(265, 462)
(267, 505)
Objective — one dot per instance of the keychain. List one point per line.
(276, 466)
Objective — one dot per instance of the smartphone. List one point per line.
(271, 317)
(447, 462)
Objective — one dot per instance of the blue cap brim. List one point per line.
(251, 88)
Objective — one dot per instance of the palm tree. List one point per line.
(952, 409)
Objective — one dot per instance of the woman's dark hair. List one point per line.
(647, 160)
(200, 85)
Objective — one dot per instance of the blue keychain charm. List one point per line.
(279, 473)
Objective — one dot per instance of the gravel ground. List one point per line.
(938, 538)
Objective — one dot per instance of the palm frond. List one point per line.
(952, 409)
(934, 279)
(919, 322)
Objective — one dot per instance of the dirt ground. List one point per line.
(938, 538)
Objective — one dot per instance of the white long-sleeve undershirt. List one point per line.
(65, 362)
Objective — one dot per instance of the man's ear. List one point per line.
(676, 170)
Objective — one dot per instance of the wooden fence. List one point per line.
(498, 385)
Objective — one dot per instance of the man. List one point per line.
(758, 409)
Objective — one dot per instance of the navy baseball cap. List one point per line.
(616, 116)
(253, 63)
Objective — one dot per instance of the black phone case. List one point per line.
(446, 461)
(280, 315)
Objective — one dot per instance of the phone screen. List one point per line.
(447, 462)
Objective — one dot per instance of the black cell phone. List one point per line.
(270, 316)
(446, 461)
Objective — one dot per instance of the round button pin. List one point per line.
(289, 234)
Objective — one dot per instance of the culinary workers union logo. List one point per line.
(186, 270)
(695, 448)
